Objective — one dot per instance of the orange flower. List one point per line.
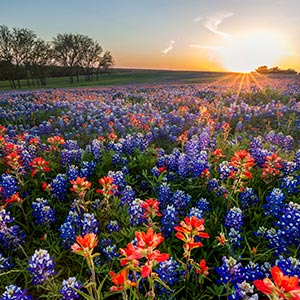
(80, 186)
(55, 142)
(148, 239)
(13, 198)
(131, 255)
(85, 245)
(151, 208)
(188, 230)
(121, 281)
(107, 186)
(202, 268)
(39, 164)
(284, 287)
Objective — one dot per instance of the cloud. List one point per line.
(204, 47)
(197, 19)
(212, 23)
(169, 48)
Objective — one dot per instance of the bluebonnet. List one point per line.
(136, 212)
(230, 271)
(4, 263)
(70, 229)
(113, 226)
(203, 205)
(42, 212)
(41, 266)
(96, 149)
(89, 224)
(127, 195)
(234, 238)
(68, 288)
(10, 236)
(119, 179)
(289, 223)
(277, 241)
(59, 186)
(87, 169)
(9, 185)
(234, 218)
(297, 159)
(108, 249)
(194, 211)
(180, 200)
(213, 185)
(70, 156)
(164, 194)
(225, 169)
(170, 218)
(168, 271)
(248, 198)
(253, 271)
(289, 266)
(13, 292)
(72, 172)
(244, 290)
(274, 202)
(290, 184)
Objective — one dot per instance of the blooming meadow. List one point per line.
(151, 192)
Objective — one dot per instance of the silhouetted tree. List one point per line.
(105, 62)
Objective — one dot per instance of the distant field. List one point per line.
(127, 77)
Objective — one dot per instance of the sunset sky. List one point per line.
(210, 35)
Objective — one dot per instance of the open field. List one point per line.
(128, 76)
(152, 191)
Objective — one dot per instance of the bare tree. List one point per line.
(6, 53)
(23, 40)
(91, 51)
(105, 62)
(66, 49)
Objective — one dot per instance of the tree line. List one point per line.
(274, 70)
(23, 55)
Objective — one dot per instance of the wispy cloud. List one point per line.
(169, 48)
(204, 47)
(212, 23)
(198, 19)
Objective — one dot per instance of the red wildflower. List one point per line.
(151, 208)
(80, 186)
(108, 187)
(272, 166)
(39, 164)
(121, 281)
(131, 255)
(284, 287)
(218, 154)
(84, 246)
(243, 162)
(13, 198)
(55, 142)
(148, 239)
(202, 268)
(188, 229)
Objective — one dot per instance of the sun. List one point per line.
(249, 50)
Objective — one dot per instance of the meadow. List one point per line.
(152, 191)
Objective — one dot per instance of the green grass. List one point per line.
(127, 77)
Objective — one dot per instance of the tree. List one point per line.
(90, 56)
(6, 54)
(40, 58)
(105, 63)
(23, 41)
(67, 50)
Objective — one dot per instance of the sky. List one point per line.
(204, 35)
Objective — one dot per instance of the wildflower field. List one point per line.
(151, 192)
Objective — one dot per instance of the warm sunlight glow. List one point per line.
(245, 52)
